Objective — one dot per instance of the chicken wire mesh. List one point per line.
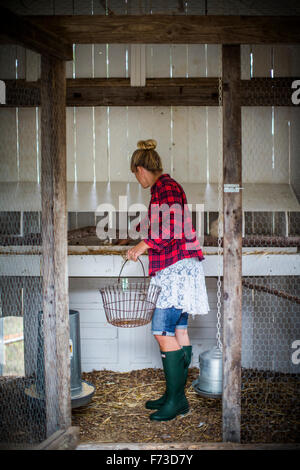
(22, 406)
(26, 407)
(270, 407)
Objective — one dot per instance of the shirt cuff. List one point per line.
(152, 244)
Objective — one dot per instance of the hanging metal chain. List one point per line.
(220, 202)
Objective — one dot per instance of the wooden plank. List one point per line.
(158, 60)
(84, 144)
(161, 131)
(83, 61)
(137, 65)
(214, 60)
(118, 162)
(70, 138)
(185, 446)
(142, 96)
(262, 60)
(24, 32)
(28, 168)
(214, 145)
(180, 144)
(32, 66)
(189, 144)
(179, 60)
(173, 29)
(134, 133)
(197, 144)
(63, 439)
(286, 61)
(8, 147)
(294, 139)
(117, 60)
(54, 243)
(202, 91)
(100, 59)
(232, 245)
(246, 51)
(257, 144)
(8, 55)
(280, 168)
(197, 60)
(101, 144)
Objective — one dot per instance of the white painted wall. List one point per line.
(101, 140)
(104, 346)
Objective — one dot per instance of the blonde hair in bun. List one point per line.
(147, 144)
(146, 156)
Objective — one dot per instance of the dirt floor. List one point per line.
(117, 412)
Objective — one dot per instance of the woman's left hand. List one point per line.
(137, 250)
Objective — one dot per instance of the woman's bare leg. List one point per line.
(167, 343)
(182, 337)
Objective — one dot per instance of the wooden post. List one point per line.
(54, 235)
(232, 244)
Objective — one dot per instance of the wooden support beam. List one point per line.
(19, 30)
(157, 92)
(183, 446)
(232, 244)
(200, 91)
(54, 245)
(173, 29)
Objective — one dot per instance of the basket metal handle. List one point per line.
(124, 265)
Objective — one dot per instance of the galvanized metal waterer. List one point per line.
(209, 382)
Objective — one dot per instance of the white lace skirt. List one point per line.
(183, 286)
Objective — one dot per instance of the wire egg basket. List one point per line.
(129, 304)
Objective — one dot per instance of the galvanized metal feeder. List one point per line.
(81, 391)
(209, 382)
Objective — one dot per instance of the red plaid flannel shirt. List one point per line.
(176, 239)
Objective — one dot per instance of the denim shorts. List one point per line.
(166, 320)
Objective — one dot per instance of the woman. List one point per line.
(174, 264)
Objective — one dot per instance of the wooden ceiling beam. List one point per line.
(173, 29)
(20, 30)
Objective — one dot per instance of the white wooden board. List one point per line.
(28, 144)
(8, 145)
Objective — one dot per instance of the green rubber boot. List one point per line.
(188, 356)
(156, 404)
(176, 402)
